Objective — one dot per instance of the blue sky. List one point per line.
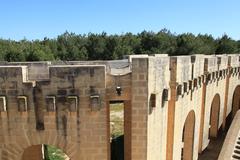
(36, 19)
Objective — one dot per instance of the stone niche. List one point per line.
(72, 103)
(165, 97)
(95, 103)
(22, 103)
(152, 101)
(3, 106)
(51, 103)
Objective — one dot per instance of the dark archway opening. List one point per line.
(188, 137)
(234, 109)
(236, 101)
(216, 134)
(215, 145)
(214, 117)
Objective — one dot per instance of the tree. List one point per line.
(70, 46)
(96, 46)
(188, 44)
(238, 46)
(39, 55)
(226, 45)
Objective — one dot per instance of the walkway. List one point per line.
(214, 148)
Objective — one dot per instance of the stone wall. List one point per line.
(139, 108)
(158, 78)
(67, 104)
(68, 111)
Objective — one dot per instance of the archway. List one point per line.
(216, 136)
(188, 136)
(236, 101)
(214, 116)
(44, 152)
(235, 107)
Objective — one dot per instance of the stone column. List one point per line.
(171, 108)
(226, 96)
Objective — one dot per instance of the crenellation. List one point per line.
(66, 104)
(234, 60)
(198, 66)
(212, 64)
(184, 69)
(224, 62)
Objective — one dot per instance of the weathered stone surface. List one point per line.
(67, 105)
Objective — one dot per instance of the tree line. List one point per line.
(71, 46)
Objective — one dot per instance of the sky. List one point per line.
(36, 19)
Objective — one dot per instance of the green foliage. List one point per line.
(188, 44)
(70, 46)
(117, 120)
(53, 153)
(226, 45)
(14, 56)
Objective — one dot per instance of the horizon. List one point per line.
(118, 34)
(113, 34)
(36, 20)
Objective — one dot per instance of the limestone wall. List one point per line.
(192, 74)
(139, 107)
(158, 78)
(67, 104)
(58, 111)
(187, 100)
(234, 80)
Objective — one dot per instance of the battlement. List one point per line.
(189, 67)
(40, 101)
(68, 78)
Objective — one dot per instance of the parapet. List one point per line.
(188, 67)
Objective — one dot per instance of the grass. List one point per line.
(54, 153)
(117, 128)
(117, 107)
(116, 119)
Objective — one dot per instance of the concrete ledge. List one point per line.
(230, 140)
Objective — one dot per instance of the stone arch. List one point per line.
(214, 116)
(236, 101)
(188, 136)
(11, 152)
(33, 152)
(40, 152)
(15, 150)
